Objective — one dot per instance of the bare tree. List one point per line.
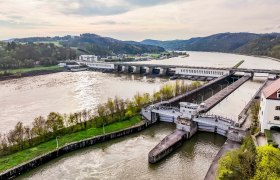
(16, 136)
(28, 135)
(110, 106)
(85, 115)
(39, 126)
(3, 143)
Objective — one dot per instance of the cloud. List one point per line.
(137, 19)
(18, 24)
(5, 23)
(109, 22)
(106, 8)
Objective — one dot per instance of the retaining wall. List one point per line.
(29, 74)
(16, 171)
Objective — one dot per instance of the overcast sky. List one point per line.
(137, 19)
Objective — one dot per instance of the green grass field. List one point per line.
(40, 68)
(17, 158)
(56, 43)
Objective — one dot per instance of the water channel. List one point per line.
(127, 158)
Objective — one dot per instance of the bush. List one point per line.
(240, 163)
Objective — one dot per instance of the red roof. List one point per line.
(272, 88)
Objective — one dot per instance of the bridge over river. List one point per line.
(169, 70)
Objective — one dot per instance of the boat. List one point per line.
(78, 69)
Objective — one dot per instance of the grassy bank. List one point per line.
(15, 159)
(238, 64)
(39, 68)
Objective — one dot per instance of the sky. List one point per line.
(137, 19)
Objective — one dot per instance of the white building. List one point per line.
(107, 66)
(188, 110)
(269, 115)
(88, 58)
(201, 72)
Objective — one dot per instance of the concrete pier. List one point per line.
(167, 145)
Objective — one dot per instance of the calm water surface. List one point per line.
(127, 158)
(214, 59)
(26, 98)
(232, 106)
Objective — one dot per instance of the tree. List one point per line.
(240, 163)
(117, 104)
(137, 99)
(55, 122)
(3, 143)
(268, 163)
(28, 135)
(85, 115)
(110, 106)
(16, 136)
(255, 108)
(39, 126)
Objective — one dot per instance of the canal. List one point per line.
(127, 158)
(232, 105)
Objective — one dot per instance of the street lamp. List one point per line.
(212, 91)
(227, 82)
(201, 97)
(232, 79)
(103, 127)
(57, 141)
(221, 86)
(194, 101)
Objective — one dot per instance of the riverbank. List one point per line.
(22, 158)
(228, 146)
(28, 72)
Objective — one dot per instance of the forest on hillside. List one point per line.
(25, 55)
(242, 43)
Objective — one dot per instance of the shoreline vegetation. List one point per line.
(24, 143)
(26, 72)
(249, 161)
(239, 64)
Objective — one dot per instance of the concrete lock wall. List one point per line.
(14, 172)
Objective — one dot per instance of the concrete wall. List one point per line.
(14, 172)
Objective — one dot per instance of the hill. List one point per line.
(245, 43)
(95, 44)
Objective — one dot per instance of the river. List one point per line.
(127, 158)
(26, 98)
(219, 60)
